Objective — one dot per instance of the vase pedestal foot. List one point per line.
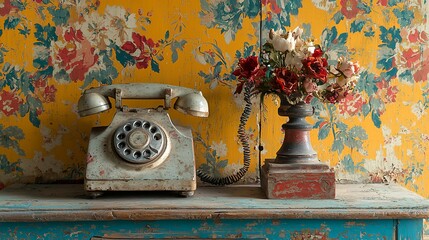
(297, 181)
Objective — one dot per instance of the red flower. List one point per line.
(415, 36)
(9, 102)
(78, 56)
(317, 53)
(141, 49)
(285, 80)
(273, 4)
(349, 8)
(49, 94)
(386, 92)
(383, 2)
(46, 91)
(250, 70)
(351, 104)
(315, 67)
(411, 57)
(7, 8)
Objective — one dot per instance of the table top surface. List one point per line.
(68, 202)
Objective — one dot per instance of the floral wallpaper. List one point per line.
(51, 50)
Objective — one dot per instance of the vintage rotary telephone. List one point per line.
(141, 150)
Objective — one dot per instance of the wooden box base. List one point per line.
(297, 181)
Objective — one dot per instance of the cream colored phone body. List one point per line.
(141, 150)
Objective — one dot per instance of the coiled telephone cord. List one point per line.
(233, 178)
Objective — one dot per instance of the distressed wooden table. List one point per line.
(372, 211)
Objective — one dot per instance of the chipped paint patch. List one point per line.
(51, 139)
(42, 167)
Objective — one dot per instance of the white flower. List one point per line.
(418, 109)
(291, 41)
(297, 32)
(121, 24)
(280, 44)
(311, 47)
(347, 68)
(274, 34)
(220, 148)
(294, 60)
(95, 29)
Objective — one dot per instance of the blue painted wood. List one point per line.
(226, 228)
(426, 228)
(409, 229)
(358, 212)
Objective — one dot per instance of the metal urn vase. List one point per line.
(296, 172)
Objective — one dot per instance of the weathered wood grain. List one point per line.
(34, 203)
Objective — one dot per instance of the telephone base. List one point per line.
(142, 185)
(297, 181)
(94, 194)
(186, 194)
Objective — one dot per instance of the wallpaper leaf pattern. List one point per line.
(376, 135)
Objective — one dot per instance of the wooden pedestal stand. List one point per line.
(296, 172)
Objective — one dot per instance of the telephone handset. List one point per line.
(141, 149)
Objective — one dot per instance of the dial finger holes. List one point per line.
(120, 136)
(153, 130)
(127, 127)
(138, 124)
(127, 152)
(157, 136)
(147, 153)
(137, 154)
(121, 145)
(139, 141)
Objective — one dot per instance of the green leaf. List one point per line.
(14, 131)
(210, 159)
(338, 17)
(123, 57)
(9, 138)
(62, 75)
(25, 31)
(8, 167)
(341, 126)
(357, 25)
(376, 119)
(217, 69)
(348, 164)
(174, 46)
(41, 13)
(154, 66)
(167, 35)
(205, 5)
(25, 81)
(359, 132)
(18, 4)
(60, 16)
(45, 35)
(205, 167)
(35, 106)
(34, 118)
(222, 163)
(366, 109)
(104, 75)
(324, 131)
(23, 109)
(11, 22)
(338, 146)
